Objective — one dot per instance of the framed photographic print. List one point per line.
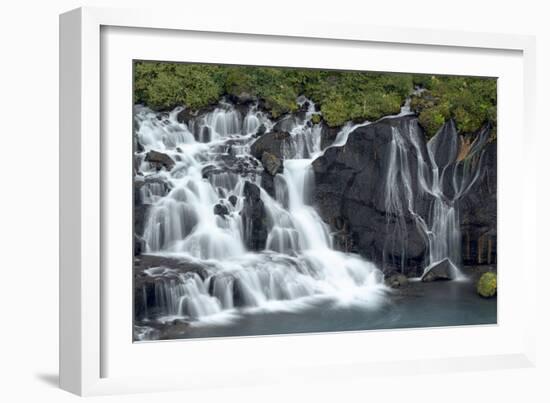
(229, 191)
(258, 210)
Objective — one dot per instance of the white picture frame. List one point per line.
(87, 312)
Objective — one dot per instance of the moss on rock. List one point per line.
(487, 285)
(315, 119)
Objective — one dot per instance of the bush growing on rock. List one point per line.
(341, 96)
(470, 101)
(487, 285)
(167, 85)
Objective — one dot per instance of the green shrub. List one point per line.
(166, 85)
(352, 95)
(487, 285)
(471, 102)
(341, 95)
(315, 119)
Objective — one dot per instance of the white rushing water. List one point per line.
(298, 262)
(441, 226)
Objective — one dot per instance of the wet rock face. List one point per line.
(276, 143)
(328, 135)
(350, 187)
(150, 273)
(221, 210)
(160, 160)
(139, 245)
(272, 164)
(478, 214)
(353, 183)
(441, 271)
(254, 218)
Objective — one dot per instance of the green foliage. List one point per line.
(471, 102)
(487, 285)
(278, 87)
(315, 119)
(166, 85)
(341, 95)
(345, 96)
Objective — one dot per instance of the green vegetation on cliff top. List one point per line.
(340, 95)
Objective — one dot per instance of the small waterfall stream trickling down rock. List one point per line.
(223, 210)
(394, 197)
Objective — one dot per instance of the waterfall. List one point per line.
(437, 165)
(196, 209)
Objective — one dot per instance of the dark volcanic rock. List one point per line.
(288, 122)
(478, 213)
(268, 184)
(243, 98)
(186, 115)
(444, 145)
(140, 215)
(277, 143)
(151, 274)
(221, 210)
(139, 245)
(233, 200)
(351, 186)
(228, 168)
(160, 160)
(261, 130)
(328, 134)
(254, 218)
(151, 185)
(145, 262)
(443, 270)
(272, 164)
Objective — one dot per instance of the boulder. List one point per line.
(221, 210)
(396, 280)
(151, 271)
(233, 200)
(243, 98)
(443, 270)
(288, 122)
(186, 115)
(243, 165)
(254, 218)
(279, 144)
(261, 130)
(487, 285)
(160, 160)
(139, 245)
(272, 164)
